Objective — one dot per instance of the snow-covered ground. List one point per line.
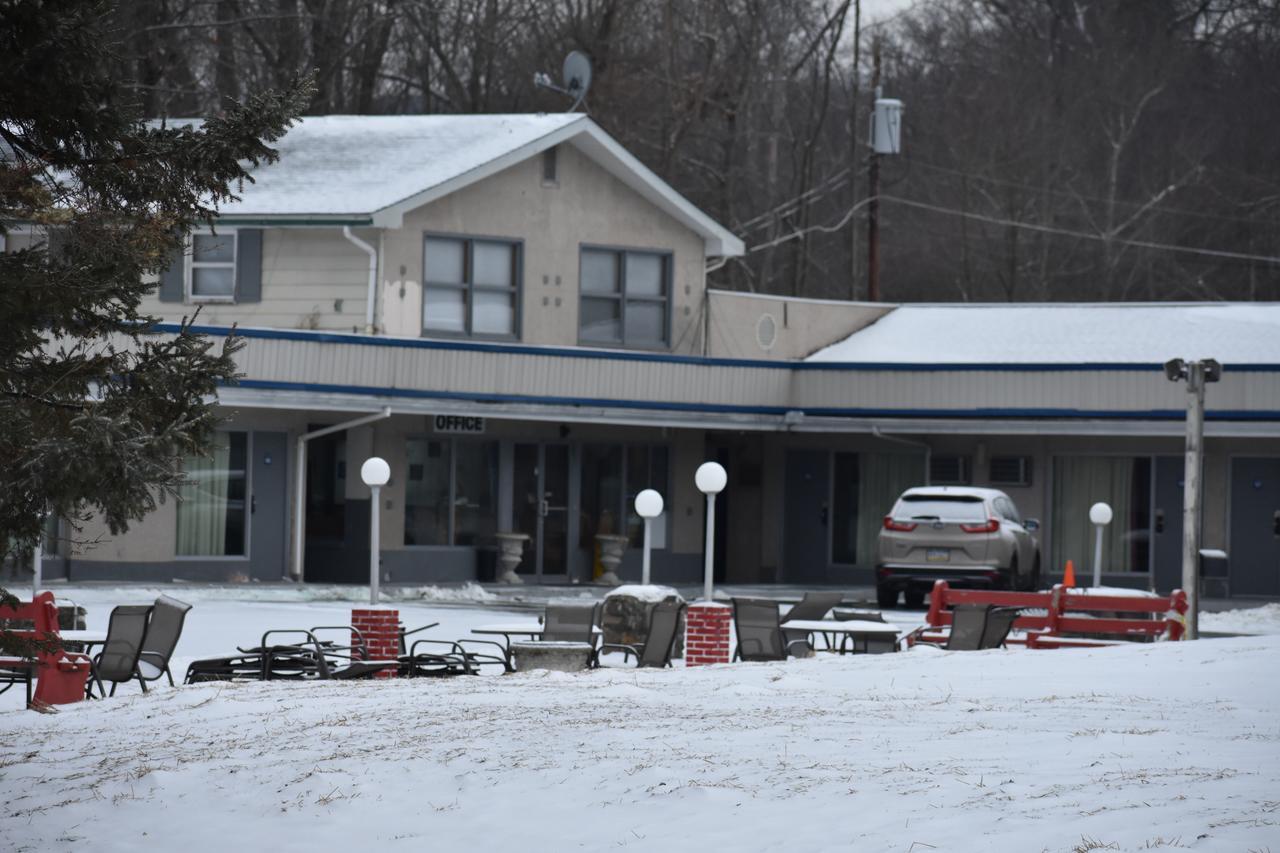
(1164, 745)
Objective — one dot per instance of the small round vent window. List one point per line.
(766, 331)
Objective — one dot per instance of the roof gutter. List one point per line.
(373, 276)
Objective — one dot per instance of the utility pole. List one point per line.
(855, 149)
(1197, 374)
(873, 189)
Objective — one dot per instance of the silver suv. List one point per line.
(966, 536)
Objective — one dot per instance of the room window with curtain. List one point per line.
(625, 298)
(1123, 482)
(882, 477)
(451, 492)
(211, 502)
(470, 286)
(213, 267)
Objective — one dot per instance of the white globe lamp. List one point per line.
(648, 507)
(710, 478)
(376, 473)
(1100, 514)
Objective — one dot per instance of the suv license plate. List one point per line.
(938, 555)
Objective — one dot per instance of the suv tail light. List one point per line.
(904, 526)
(991, 525)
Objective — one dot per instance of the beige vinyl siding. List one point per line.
(312, 278)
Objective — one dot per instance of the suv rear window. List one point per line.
(942, 507)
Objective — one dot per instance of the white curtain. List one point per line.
(882, 477)
(202, 509)
(1078, 483)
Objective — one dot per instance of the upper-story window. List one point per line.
(211, 274)
(625, 298)
(470, 286)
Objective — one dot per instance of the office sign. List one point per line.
(458, 424)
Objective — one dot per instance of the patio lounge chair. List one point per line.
(163, 630)
(978, 626)
(814, 605)
(456, 661)
(760, 631)
(118, 660)
(999, 623)
(570, 622)
(664, 625)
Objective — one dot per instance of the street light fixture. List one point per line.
(1100, 514)
(648, 507)
(376, 473)
(710, 479)
(1197, 374)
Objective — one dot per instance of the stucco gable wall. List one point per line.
(586, 206)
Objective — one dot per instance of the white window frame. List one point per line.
(191, 265)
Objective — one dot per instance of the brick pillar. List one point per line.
(381, 630)
(707, 633)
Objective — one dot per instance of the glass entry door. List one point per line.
(540, 482)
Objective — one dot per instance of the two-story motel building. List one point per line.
(513, 311)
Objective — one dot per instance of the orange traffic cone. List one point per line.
(1069, 577)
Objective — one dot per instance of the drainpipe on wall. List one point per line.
(928, 451)
(300, 485)
(373, 276)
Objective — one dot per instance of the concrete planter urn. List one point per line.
(611, 550)
(510, 553)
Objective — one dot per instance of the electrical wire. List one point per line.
(826, 229)
(1083, 235)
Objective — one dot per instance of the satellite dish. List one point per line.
(576, 75)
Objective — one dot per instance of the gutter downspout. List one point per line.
(928, 451)
(373, 276)
(300, 485)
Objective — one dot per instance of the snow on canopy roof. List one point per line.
(1128, 333)
(378, 167)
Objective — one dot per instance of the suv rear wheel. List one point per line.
(886, 597)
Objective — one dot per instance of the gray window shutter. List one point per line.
(171, 284)
(249, 265)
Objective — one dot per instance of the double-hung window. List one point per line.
(625, 298)
(212, 275)
(470, 286)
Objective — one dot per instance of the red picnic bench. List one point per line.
(1060, 616)
(60, 676)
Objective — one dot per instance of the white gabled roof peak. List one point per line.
(376, 168)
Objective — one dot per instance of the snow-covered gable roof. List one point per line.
(1235, 333)
(376, 168)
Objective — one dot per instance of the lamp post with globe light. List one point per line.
(710, 479)
(1100, 515)
(648, 507)
(376, 473)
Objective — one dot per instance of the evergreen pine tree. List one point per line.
(97, 411)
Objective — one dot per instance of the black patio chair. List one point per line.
(415, 663)
(813, 606)
(969, 628)
(570, 622)
(760, 631)
(118, 660)
(664, 627)
(999, 623)
(163, 630)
